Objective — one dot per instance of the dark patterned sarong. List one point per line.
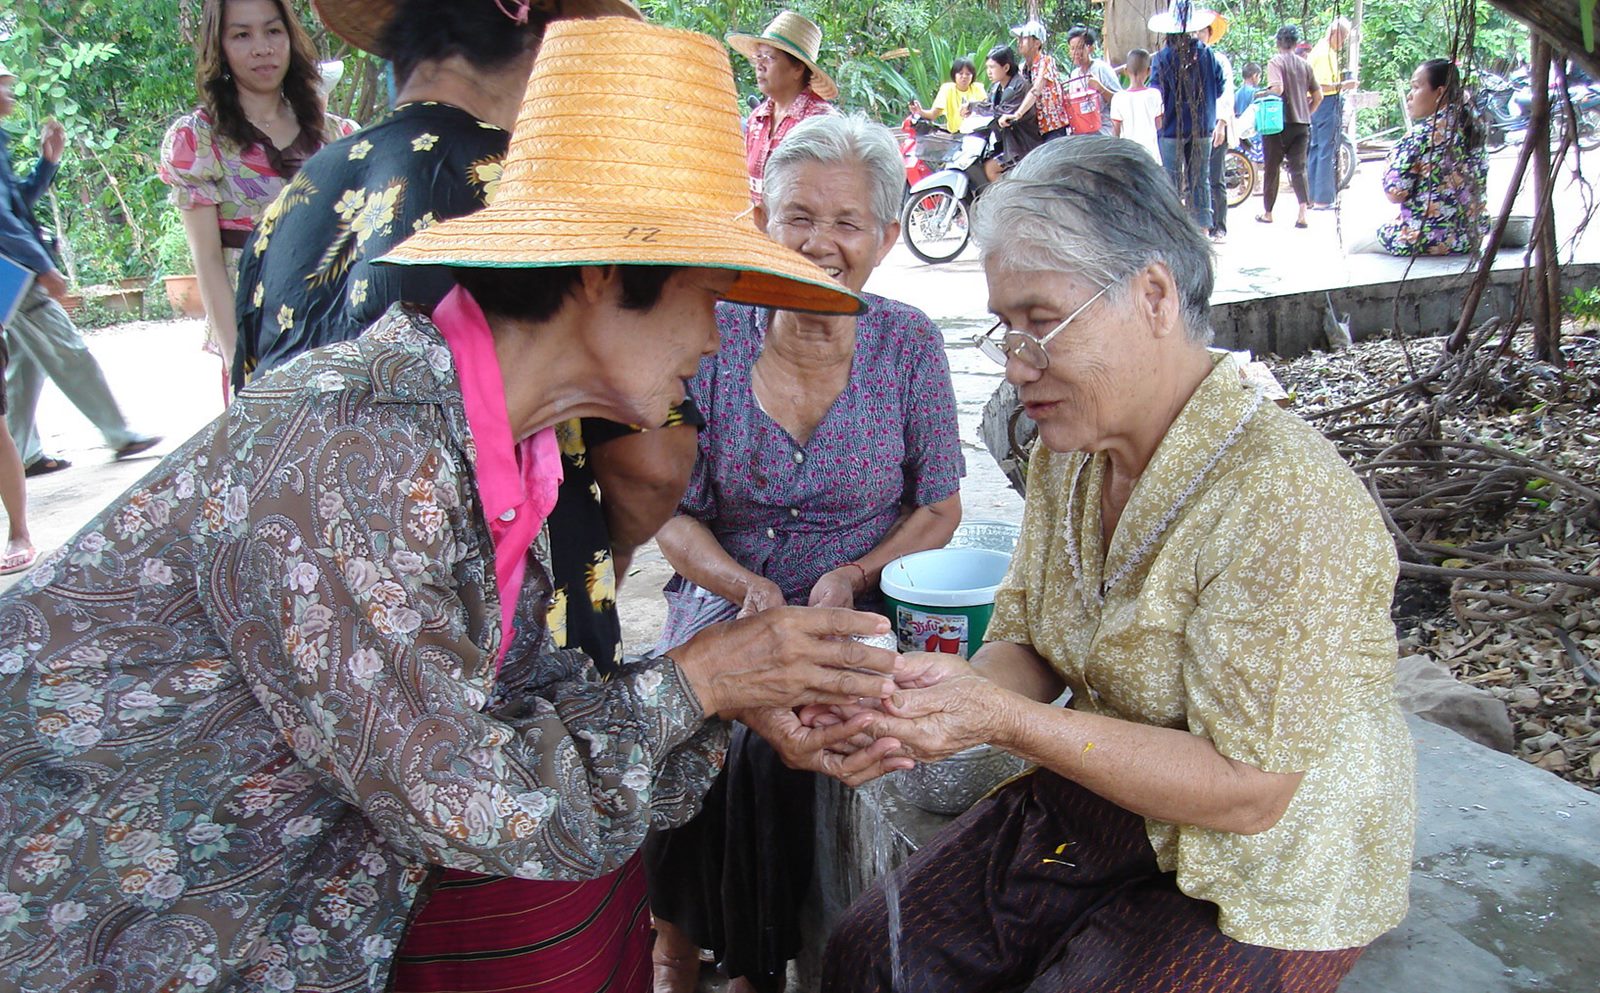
(1047, 887)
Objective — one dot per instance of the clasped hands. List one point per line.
(939, 706)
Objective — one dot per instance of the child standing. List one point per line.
(1136, 111)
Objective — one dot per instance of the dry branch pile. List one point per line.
(1487, 466)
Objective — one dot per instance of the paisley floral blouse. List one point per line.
(249, 705)
(205, 169)
(1244, 597)
(1445, 186)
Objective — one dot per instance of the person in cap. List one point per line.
(1327, 121)
(1227, 800)
(1045, 90)
(831, 449)
(260, 117)
(253, 705)
(41, 338)
(792, 85)
(1190, 80)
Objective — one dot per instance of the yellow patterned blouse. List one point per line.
(1245, 598)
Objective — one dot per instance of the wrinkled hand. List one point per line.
(53, 283)
(52, 140)
(787, 657)
(834, 589)
(919, 670)
(761, 594)
(935, 722)
(827, 747)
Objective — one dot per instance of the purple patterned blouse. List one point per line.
(792, 512)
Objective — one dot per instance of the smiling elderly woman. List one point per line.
(1227, 803)
(249, 710)
(831, 449)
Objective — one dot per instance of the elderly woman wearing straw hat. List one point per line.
(831, 449)
(795, 87)
(309, 656)
(1228, 803)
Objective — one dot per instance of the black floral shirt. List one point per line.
(308, 279)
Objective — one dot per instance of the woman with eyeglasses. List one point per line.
(830, 449)
(1227, 801)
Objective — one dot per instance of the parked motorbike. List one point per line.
(924, 149)
(1246, 162)
(936, 219)
(1504, 103)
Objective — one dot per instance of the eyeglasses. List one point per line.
(1023, 345)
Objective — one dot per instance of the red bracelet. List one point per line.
(861, 569)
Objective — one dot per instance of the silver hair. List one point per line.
(1099, 208)
(840, 139)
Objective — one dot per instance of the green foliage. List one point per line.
(1583, 306)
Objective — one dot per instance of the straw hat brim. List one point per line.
(1165, 23)
(822, 84)
(362, 23)
(534, 236)
(1219, 27)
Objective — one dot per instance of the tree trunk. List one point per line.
(1125, 28)
(1546, 264)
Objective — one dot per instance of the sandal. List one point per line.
(1301, 224)
(1263, 219)
(18, 561)
(44, 465)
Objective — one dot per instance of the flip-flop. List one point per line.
(18, 561)
(1263, 219)
(1301, 224)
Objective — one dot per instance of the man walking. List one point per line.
(1327, 122)
(41, 337)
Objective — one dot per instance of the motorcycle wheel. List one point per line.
(1239, 175)
(936, 226)
(1345, 164)
(1588, 128)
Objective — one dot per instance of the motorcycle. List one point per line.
(1503, 105)
(936, 219)
(924, 149)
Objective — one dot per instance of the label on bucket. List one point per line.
(921, 631)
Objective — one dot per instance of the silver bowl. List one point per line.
(951, 786)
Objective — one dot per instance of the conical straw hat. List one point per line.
(800, 37)
(627, 151)
(362, 23)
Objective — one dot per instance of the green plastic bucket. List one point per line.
(941, 600)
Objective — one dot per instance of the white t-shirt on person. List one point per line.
(1138, 111)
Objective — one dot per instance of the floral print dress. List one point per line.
(1444, 182)
(246, 708)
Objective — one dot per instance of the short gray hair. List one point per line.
(1100, 208)
(840, 139)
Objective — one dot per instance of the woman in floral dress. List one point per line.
(260, 116)
(831, 449)
(1438, 174)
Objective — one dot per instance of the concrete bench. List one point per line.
(1505, 886)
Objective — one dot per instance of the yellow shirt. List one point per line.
(1324, 59)
(1246, 600)
(949, 99)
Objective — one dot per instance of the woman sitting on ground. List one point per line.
(1227, 804)
(831, 449)
(1438, 173)
(953, 97)
(260, 117)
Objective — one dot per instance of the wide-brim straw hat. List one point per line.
(1219, 27)
(797, 35)
(1181, 18)
(593, 176)
(363, 23)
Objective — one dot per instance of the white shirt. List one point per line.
(1138, 110)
